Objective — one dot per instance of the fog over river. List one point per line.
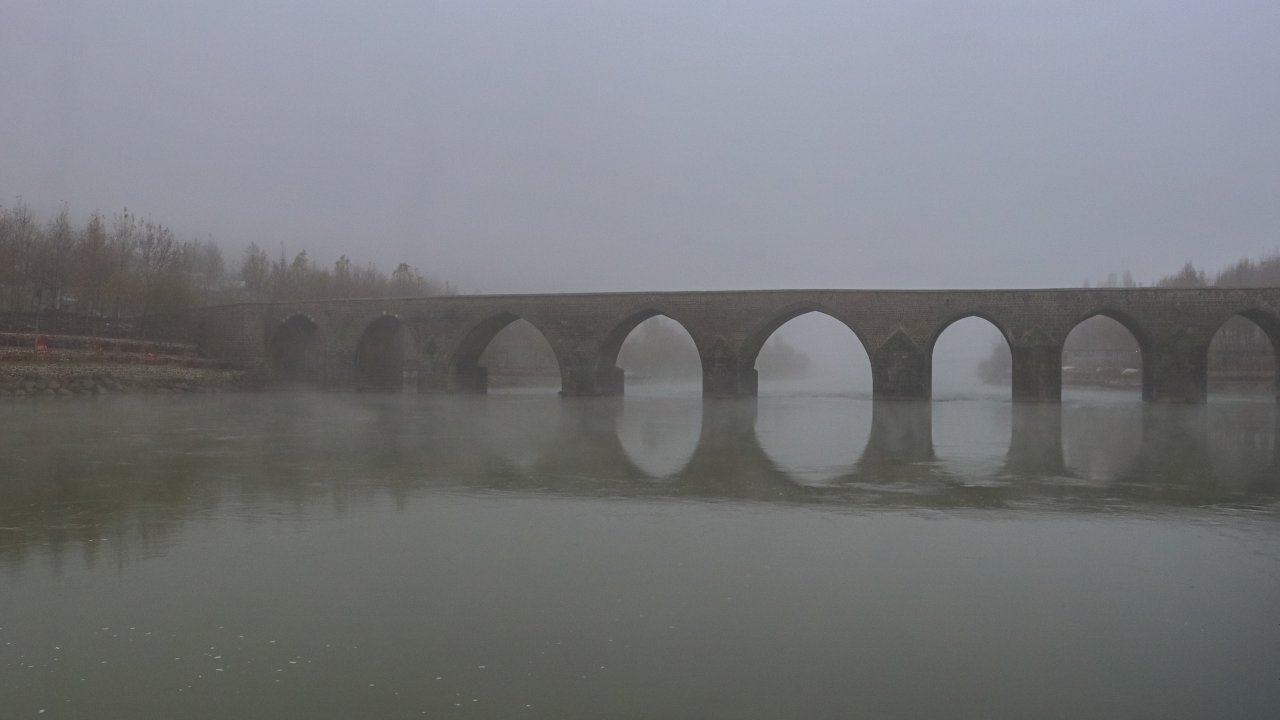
(654, 556)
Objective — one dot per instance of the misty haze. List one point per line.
(636, 360)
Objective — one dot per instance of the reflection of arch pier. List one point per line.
(372, 342)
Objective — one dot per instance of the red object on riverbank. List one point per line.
(42, 347)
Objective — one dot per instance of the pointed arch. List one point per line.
(382, 354)
(1245, 349)
(1112, 365)
(971, 434)
(762, 332)
(294, 351)
(851, 370)
(608, 375)
(952, 320)
(466, 373)
(1000, 356)
(1135, 328)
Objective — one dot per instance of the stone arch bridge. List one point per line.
(368, 343)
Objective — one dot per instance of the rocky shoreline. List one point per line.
(37, 379)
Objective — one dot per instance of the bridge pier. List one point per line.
(469, 380)
(611, 381)
(583, 374)
(725, 375)
(730, 382)
(901, 370)
(1176, 374)
(1037, 373)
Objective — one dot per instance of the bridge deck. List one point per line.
(368, 341)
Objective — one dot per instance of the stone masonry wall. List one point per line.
(898, 328)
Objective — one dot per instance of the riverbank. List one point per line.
(46, 379)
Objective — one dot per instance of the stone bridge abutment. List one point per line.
(438, 341)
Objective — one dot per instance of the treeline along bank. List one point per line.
(126, 275)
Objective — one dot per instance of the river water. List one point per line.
(654, 556)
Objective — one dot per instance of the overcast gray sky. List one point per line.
(553, 146)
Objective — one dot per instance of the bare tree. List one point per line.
(93, 266)
(54, 260)
(156, 255)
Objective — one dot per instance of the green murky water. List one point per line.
(338, 556)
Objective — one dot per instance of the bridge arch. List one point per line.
(972, 320)
(294, 351)
(608, 375)
(1085, 362)
(761, 333)
(957, 351)
(953, 319)
(382, 354)
(1234, 353)
(759, 336)
(466, 374)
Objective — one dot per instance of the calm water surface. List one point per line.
(340, 556)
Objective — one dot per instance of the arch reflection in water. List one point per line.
(1159, 454)
(517, 428)
(660, 435)
(814, 440)
(1102, 439)
(1244, 445)
(972, 436)
(1220, 453)
(1164, 453)
(105, 467)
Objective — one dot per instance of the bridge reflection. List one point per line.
(1178, 455)
(139, 470)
